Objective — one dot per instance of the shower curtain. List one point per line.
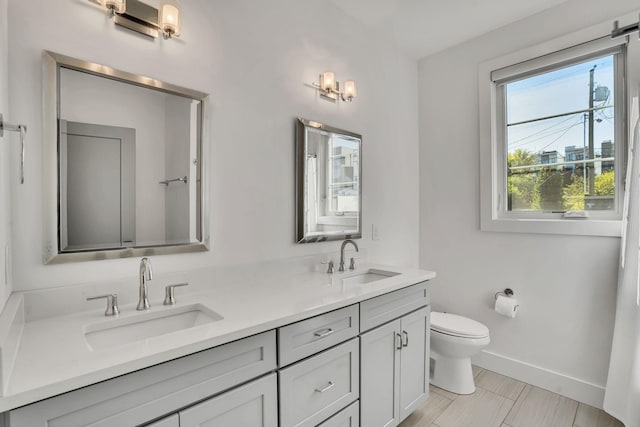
(622, 395)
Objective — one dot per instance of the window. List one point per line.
(342, 176)
(557, 141)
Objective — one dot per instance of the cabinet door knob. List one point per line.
(405, 339)
(398, 341)
(325, 388)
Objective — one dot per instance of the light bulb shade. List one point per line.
(118, 6)
(350, 91)
(328, 80)
(169, 19)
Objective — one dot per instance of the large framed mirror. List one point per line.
(124, 170)
(328, 181)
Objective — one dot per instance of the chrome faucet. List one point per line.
(341, 268)
(145, 275)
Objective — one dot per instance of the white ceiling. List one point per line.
(423, 27)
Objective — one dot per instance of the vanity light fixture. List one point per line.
(143, 18)
(169, 20)
(329, 88)
(113, 6)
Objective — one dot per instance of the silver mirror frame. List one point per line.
(51, 63)
(301, 171)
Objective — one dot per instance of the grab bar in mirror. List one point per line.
(166, 182)
(23, 131)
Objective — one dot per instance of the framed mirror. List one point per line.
(328, 183)
(124, 171)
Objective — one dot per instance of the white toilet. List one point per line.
(454, 339)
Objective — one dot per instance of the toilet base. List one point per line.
(452, 374)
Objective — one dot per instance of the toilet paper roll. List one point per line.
(506, 306)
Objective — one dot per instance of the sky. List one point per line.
(559, 92)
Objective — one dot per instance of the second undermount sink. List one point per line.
(368, 276)
(116, 332)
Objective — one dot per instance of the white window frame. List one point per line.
(494, 215)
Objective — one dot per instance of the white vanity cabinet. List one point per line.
(139, 397)
(394, 371)
(171, 421)
(251, 405)
(348, 417)
(314, 389)
(365, 364)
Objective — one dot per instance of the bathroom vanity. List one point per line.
(309, 349)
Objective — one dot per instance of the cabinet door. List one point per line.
(251, 405)
(379, 374)
(414, 370)
(170, 421)
(316, 388)
(348, 417)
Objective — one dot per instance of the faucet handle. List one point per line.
(112, 303)
(330, 267)
(169, 294)
(352, 264)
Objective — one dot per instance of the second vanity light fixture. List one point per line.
(144, 19)
(329, 88)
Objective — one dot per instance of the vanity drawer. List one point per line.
(348, 417)
(141, 396)
(316, 388)
(382, 309)
(302, 339)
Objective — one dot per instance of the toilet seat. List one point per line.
(457, 326)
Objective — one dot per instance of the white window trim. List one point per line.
(493, 216)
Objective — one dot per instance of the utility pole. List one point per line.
(585, 116)
(591, 149)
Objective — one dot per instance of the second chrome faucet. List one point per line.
(146, 274)
(352, 266)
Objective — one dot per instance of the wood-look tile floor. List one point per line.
(501, 401)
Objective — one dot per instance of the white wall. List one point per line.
(9, 139)
(255, 59)
(566, 285)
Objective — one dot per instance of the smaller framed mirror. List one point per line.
(328, 183)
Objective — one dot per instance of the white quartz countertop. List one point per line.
(53, 356)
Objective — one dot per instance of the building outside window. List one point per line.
(568, 110)
(558, 136)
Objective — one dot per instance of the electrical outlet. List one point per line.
(374, 232)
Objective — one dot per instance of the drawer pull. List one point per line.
(324, 332)
(325, 388)
(405, 339)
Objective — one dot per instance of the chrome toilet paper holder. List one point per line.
(508, 292)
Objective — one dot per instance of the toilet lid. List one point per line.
(460, 326)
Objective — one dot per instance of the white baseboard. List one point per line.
(573, 388)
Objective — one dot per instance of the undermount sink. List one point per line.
(116, 332)
(368, 276)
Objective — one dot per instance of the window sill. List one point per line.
(580, 227)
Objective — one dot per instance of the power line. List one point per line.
(521, 144)
(568, 129)
(543, 130)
